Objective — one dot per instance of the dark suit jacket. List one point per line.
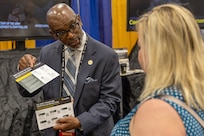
(94, 102)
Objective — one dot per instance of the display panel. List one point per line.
(25, 19)
(136, 8)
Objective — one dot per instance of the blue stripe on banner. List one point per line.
(41, 43)
(105, 18)
(96, 18)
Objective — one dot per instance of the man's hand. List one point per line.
(26, 61)
(67, 123)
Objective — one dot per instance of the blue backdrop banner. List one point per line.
(96, 18)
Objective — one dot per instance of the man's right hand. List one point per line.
(26, 61)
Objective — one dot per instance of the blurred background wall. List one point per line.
(105, 20)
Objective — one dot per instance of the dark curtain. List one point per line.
(16, 112)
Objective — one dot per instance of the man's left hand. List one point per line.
(67, 123)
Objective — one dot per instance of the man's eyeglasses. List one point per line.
(71, 29)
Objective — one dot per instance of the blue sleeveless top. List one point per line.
(193, 128)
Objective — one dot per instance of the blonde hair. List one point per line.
(174, 51)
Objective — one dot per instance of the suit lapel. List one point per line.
(84, 69)
(56, 64)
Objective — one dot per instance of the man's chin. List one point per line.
(74, 44)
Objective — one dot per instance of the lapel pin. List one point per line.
(90, 62)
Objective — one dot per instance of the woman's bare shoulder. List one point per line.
(156, 117)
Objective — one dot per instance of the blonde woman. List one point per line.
(172, 56)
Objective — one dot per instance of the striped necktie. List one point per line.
(69, 75)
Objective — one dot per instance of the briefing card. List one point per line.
(48, 112)
(33, 78)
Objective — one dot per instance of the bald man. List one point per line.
(98, 89)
